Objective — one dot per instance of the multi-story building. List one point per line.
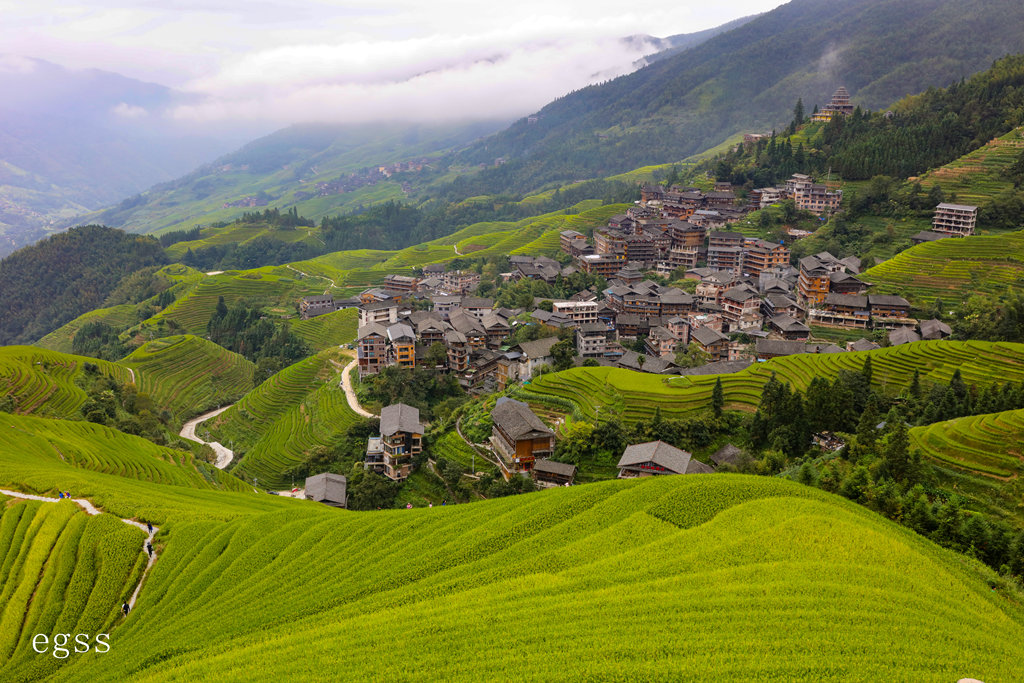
(592, 339)
(311, 306)
(518, 436)
(760, 256)
(957, 220)
(381, 312)
(372, 353)
(401, 345)
(841, 310)
(401, 283)
(458, 351)
(402, 436)
(605, 265)
(814, 282)
(580, 312)
(460, 281)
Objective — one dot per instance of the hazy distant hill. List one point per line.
(749, 78)
(74, 141)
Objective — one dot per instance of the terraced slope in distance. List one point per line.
(604, 392)
(952, 269)
(88, 446)
(43, 382)
(277, 424)
(750, 578)
(328, 330)
(979, 176)
(990, 444)
(188, 375)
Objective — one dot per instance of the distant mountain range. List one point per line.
(749, 78)
(701, 89)
(74, 141)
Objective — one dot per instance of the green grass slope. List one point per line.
(187, 375)
(61, 571)
(737, 577)
(606, 392)
(979, 176)
(952, 269)
(990, 444)
(277, 424)
(84, 445)
(43, 382)
(331, 329)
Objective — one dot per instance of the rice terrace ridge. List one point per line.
(550, 342)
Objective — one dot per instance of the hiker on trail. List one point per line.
(60, 494)
(408, 506)
(149, 548)
(150, 527)
(125, 608)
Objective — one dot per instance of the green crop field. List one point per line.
(990, 444)
(187, 375)
(331, 329)
(979, 176)
(274, 426)
(952, 269)
(119, 317)
(602, 391)
(43, 382)
(61, 571)
(451, 447)
(99, 448)
(749, 578)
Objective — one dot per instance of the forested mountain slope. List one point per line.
(749, 79)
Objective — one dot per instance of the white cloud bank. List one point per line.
(491, 75)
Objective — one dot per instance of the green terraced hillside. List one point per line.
(88, 446)
(604, 392)
(979, 176)
(277, 424)
(122, 316)
(952, 269)
(187, 375)
(331, 329)
(665, 578)
(61, 571)
(990, 444)
(43, 382)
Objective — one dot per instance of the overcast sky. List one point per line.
(316, 60)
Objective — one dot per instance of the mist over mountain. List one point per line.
(72, 141)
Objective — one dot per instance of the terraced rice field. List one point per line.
(603, 392)
(61, 571)
(43, 382)
(990, 444)
(88, 446)
(262, 287)
(279, 422)
(119, 317)
(979, 176)
(331, 329)
(188, 375)
(750, 578)
(952, 269)
(450, 446)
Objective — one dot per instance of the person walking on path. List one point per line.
(125, 608)
(149, 525)
(149, 548)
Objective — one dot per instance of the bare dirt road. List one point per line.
(188, 431)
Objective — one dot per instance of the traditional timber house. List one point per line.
(402, 436)
(518, 436)
(657, 457)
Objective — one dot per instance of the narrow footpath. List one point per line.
(350, 393)
(91, 510)
(188, 431)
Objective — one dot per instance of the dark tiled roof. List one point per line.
(552, 467)
(538, 348)
(727, 455)
(517, 420)
(327, 488)
(664, 455)
(400, 418)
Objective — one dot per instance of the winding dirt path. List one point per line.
(91, 510)
(188, 431)
(132, 372)
(350, 393)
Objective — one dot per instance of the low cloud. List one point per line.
(501, 74)
(128, 111)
